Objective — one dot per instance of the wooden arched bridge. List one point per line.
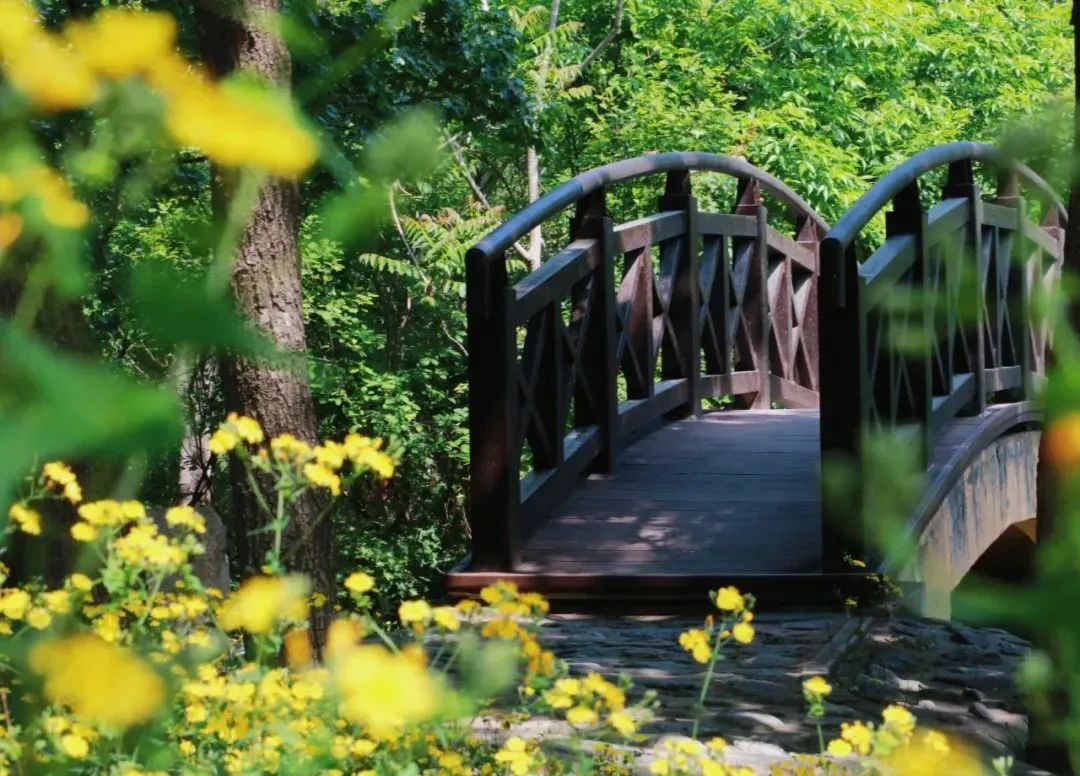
(650, 409)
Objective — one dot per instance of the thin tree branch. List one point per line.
(459, 160)
(401, 232)
(613, 32)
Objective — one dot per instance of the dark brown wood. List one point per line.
(679, 268)
(493, 465)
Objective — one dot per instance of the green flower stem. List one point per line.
(707, 682)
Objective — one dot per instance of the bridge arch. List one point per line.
(614, 343)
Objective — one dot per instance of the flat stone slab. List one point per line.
(954, 678)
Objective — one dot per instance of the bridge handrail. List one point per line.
(882, 193)
(680, 305)
(938, 319)
(580, 186)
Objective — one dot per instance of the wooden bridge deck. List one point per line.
(733, 492)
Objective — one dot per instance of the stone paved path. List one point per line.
(954, 678)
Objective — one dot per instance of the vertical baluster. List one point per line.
(1008, 195)
(598, 364)
(961, 183)
(685, 305)
(908, 218)
(493, 390)
(808, 235)
(638, 289)
(756, 299)
(546, 343)
(844, 397)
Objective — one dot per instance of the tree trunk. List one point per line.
(266, 282)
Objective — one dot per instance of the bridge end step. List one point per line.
(656, 593)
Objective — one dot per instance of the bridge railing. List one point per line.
(937, 319)
(627, 325)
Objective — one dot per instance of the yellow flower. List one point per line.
(341, 635)
(14, 602)
(660, 768)
(729, 599)
(414, 612)
(930, 756)
(383, 691)
(516, 755)
(187, 517)
(298, 648)
(84, 532)
(42, 67)
(11, 225)
(743, 633)
(365, 454)
(27, 519)
(261, 602)
(74, 746)
(581, 716)
(622, 723)
(446, 617)
(240, 126)
(858, 735)
(717, 744)
(696, 642)
(359, 582)
(122, 42)
(38, 618)
(816, 687)
(57, 601)
(100, 682)
(838, 747)
(81, 582)
(57, 473)
(322, 476)
(1061, 441)
(899, 718)
(223, 440)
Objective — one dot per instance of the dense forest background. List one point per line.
(826, 95)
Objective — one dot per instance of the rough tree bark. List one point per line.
(266, 283)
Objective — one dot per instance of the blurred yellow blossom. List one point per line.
(100, 682)
(359, 582)
(122, 42)
(414, 612)
(187, 517)
(383, 691)
(57, 473)
(729, 599)
(84, 532)
(26, 519)
(262, 602)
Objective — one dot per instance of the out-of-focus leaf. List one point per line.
(53, 405)
(177, 309)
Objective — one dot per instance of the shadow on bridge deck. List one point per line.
(733, 492)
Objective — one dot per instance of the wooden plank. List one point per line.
(803, 256)
(554, 279)
(636, 413)
(649, 230)
(999, 216)
(791, 393)
(727, 223)
(884, 267)
(945, 218)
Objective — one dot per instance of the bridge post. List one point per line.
(685, 305)
(907, 217)
(600, 404)
(844, 390)
(961, 184)
(494, 449)
(756, 298)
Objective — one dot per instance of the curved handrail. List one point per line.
(886, 189)
(586, 183)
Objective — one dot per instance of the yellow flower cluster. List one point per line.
(681, 755)
(59, 475)
(319, 465)
(136, 639)
(588, 700)
(235, 126)
(52, 193)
